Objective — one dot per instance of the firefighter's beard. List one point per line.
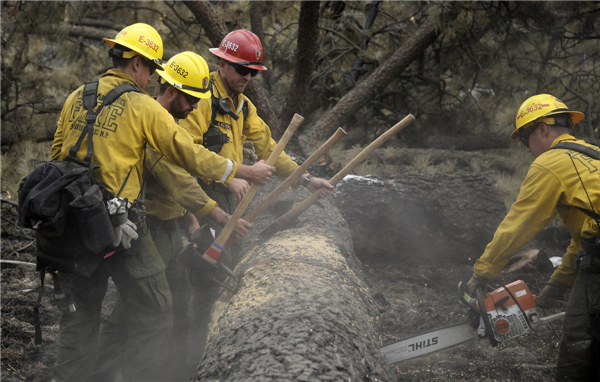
(180, 108)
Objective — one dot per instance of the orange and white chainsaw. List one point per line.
(505, 313)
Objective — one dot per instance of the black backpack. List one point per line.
(63, 202)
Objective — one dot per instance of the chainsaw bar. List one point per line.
(428, 343)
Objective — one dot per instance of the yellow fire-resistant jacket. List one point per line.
(253, 129)
(171, 191)
(121, 131)
(552, 184)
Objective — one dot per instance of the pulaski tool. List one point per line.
(213, 254)
(505, 313)
(281, 222)
(339, 134)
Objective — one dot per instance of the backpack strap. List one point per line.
(245, 110)
(90, 97)
(214, 139)
(36, 309)
(590, 152)
(585, 150)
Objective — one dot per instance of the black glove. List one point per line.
(552, 296)
(477, 281)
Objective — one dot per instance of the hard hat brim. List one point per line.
(217, 52)
(576, 116)
(112, 42)
(170, 80)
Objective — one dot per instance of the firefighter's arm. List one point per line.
(180, 185)
(258, 132)
(57, 144)
(532, 211)
(166, 137)
(565, 274)
(576, 222)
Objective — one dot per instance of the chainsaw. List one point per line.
(503, 314)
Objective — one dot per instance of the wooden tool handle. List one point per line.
(339, 134)
(372, 147)
(300, 208)
(241, 208)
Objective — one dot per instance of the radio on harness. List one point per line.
(214, 138)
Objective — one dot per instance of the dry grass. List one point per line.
(392, 161)
(20, 161)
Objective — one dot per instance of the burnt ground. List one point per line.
(412, 298)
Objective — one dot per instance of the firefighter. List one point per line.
(171, 193)
(567, 182)
(121, 132)
(225, 123)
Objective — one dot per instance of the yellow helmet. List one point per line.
(537, 108)
(143, 40)
(188, 72)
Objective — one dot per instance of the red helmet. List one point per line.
(241, 47)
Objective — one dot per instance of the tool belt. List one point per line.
(589, 259)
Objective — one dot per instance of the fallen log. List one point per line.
(421, 218)
(301, 311)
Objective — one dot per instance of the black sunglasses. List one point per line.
(525, 134)
(242, 70)
(149, 64)
(190, 99)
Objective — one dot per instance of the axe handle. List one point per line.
(300, 208)
(241, 208)
(339, 134)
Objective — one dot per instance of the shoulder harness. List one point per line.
(214, 139)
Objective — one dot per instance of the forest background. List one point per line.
(461, 68)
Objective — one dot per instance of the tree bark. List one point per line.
(305, 60)
(374, 83)
(256, 23)
(419, 219)
(215, 30)
(301, 312)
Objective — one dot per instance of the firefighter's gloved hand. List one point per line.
(117, 209)
(551, 296)
(249, 153)
(477, 281)
(124, 234)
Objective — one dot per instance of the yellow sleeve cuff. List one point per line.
(207, 209)
(229, 179)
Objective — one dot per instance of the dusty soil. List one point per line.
(412, 300)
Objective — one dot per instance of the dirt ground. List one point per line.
(412, 300)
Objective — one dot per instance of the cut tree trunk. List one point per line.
(301, 311)
(421, 219)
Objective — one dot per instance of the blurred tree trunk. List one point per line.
(359, 61)
(215, 29)
(307, 46)
(378, 80)
(256, 17)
